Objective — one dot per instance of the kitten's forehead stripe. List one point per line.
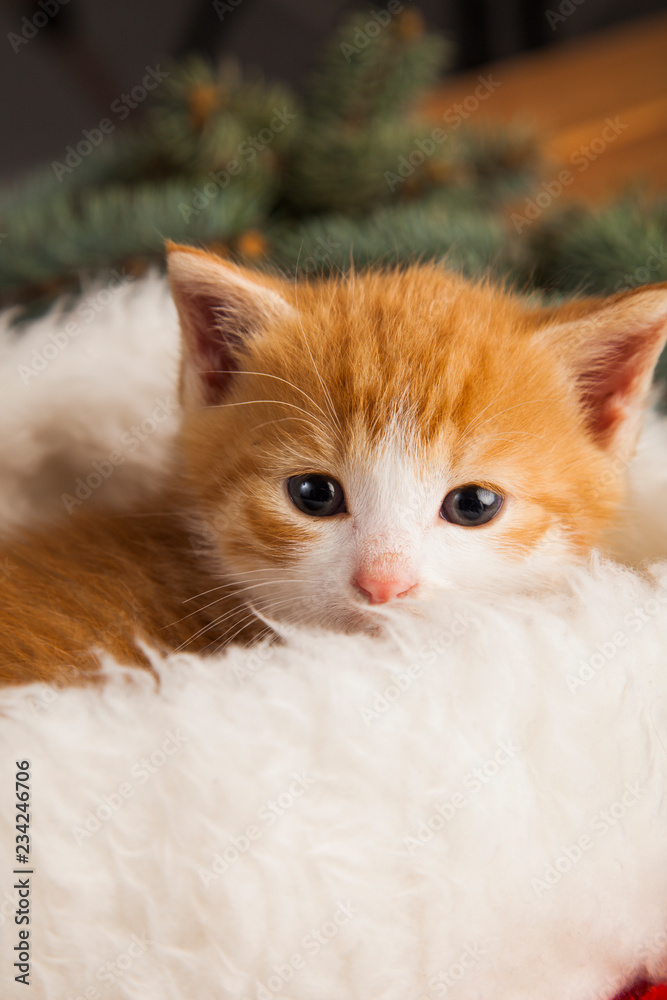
(421, 342)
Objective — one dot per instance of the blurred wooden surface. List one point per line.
(569, 92)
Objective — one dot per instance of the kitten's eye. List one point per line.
(319, 496)
(471, 506)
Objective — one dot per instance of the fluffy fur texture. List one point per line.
(70, 399)
(335, 756)
(485, 793)
(401, 387)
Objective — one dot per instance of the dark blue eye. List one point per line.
(317, 495)
(471, 506)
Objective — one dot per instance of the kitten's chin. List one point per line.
(374, 620)
(348, 619)
(351, 620)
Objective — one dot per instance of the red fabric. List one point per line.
(644, 991)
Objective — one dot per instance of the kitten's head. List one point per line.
(359, 441)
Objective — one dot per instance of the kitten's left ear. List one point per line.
(610, 350)
(219, 306)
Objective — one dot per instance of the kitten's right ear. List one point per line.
(609, 349)
(219, 307)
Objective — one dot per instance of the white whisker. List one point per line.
(474, 420)
(270, 402)
(494, 416)
(327, 396)
(278, 378)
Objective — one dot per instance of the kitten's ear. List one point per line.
(219, 307)
(610, 350)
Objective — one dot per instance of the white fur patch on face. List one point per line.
(401, 492)
(394, 503)
(392, 531)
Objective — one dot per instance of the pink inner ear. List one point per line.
(215, 329)
(610, 389)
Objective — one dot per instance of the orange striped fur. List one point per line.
(399, 385)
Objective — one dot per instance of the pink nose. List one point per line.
(381, 591)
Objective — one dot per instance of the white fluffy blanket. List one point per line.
(474, 806)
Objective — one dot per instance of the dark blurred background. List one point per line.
(88, 52)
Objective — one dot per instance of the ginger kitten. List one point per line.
(347, 445)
